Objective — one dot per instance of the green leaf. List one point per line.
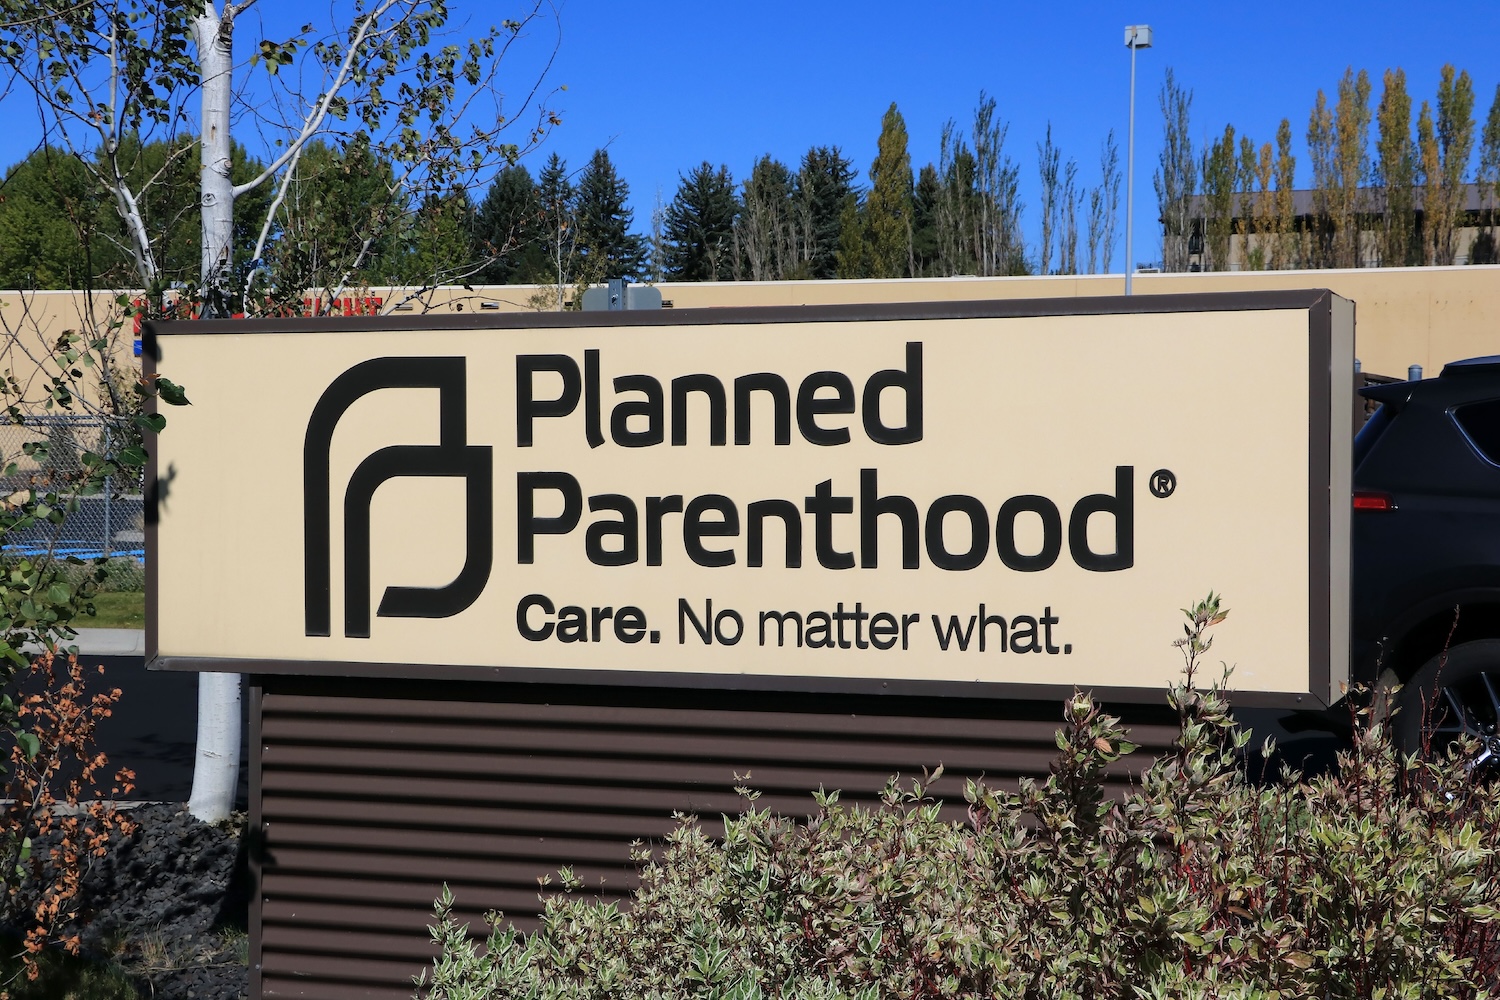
(171, 393)
(134, 455)
(151, 422)
(30, 745)
(59, 593)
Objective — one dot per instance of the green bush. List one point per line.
(1376, 881)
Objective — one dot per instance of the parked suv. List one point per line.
(1425, 608)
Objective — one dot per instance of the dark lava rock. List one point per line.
(168, 905)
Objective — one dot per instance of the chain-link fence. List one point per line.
(110, 525)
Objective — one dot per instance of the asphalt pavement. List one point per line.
(153, 729)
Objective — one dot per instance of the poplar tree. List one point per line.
(1286, 250)
(1351, 131)
(1048, 158)
(1320, 150)
(1445, 148)
(698, 234)
(1396, 172)
(764, 237)
(852, 259)
(1488, 181)
(1067, 248)
(1176, 176)
(606, 246)
(1104, 207)
(1220, 169)
(1242, 206)
(888, 207)
(1257, 209)
(958, 215)
(1455, 133)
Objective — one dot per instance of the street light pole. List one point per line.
(1137, 36)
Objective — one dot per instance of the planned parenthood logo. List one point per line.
(452, 456)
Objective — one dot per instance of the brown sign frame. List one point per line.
(1323, 614)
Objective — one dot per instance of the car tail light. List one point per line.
(1371, 500)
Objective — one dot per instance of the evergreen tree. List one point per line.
(338, 222)
(440, 248)
(606, 246)
(559, 222)
(925, 210)
(54, 231)
(888, 208)
(58, 229)
(510, 230)
(1395, 173)
(825, 183)
(764, 232)
(699, 227)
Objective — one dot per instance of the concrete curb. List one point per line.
(104, 642)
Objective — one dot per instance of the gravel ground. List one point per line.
(169, 905)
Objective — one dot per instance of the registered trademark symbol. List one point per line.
(1163, 483)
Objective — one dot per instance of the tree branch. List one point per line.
(314, 120)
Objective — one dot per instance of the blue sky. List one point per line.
(666, 85)
(669, 84)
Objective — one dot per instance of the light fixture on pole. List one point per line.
(1137, 36)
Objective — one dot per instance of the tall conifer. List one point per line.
(699, 227)
(607, 246)
(824, 185)
(510, 230)
(888, 208)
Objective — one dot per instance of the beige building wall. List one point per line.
(1420, 315)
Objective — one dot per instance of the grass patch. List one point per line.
(66, 977)
(117, 609)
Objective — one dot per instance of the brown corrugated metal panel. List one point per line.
(372, 794)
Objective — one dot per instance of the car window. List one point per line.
(1480, 423)
(1370, 432)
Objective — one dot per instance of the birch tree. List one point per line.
(110, 76)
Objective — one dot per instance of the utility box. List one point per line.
(525, 585)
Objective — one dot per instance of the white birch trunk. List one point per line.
(216, 767)
(213, 35)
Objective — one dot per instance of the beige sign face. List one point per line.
(1005, 500)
